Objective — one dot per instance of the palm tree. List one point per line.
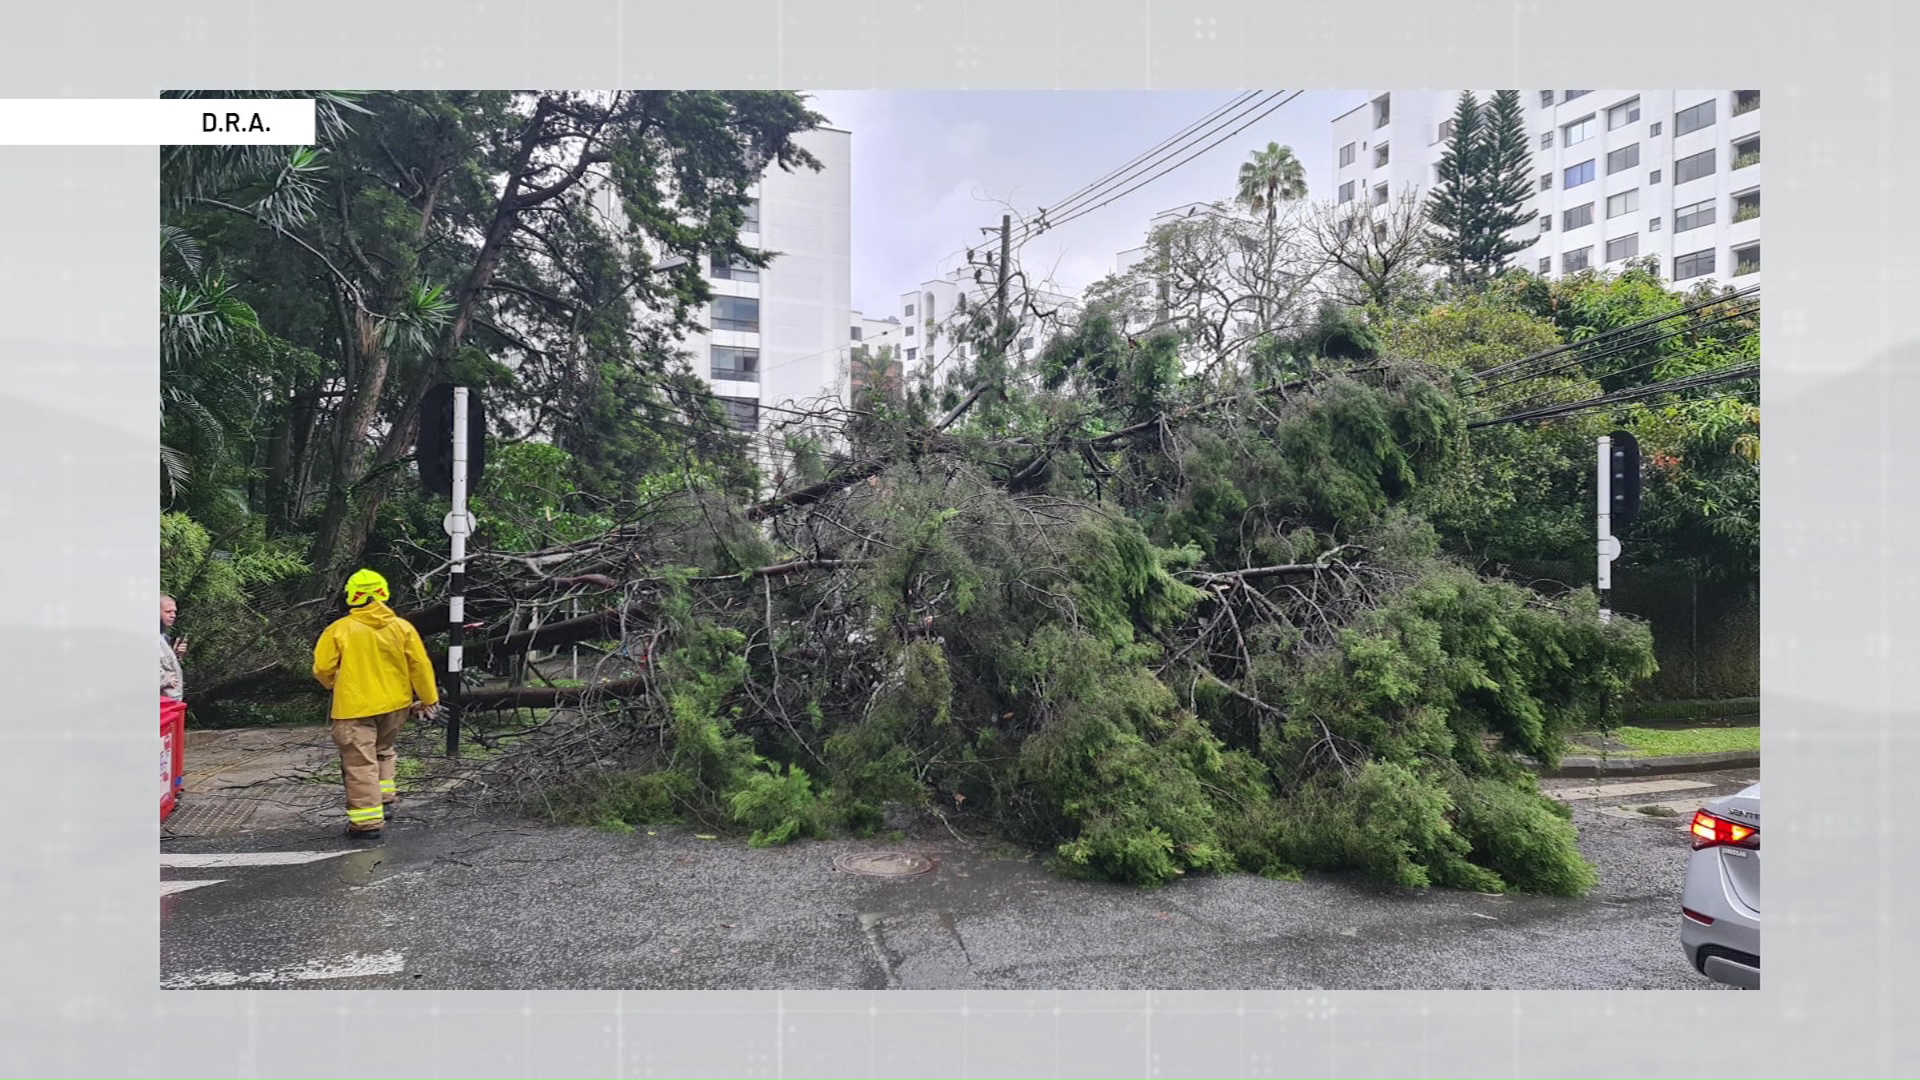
(1273, 176)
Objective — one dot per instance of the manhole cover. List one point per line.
(883, 864)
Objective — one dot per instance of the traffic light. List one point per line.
(433, 451)
(1624, 483)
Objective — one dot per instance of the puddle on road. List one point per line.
(358, 868)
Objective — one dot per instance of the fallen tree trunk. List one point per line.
(547, 697)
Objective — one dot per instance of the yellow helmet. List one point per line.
(365, 585)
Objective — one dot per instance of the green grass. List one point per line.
(1647, 742)
(1690, 710)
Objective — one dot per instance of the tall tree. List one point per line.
(1273, 176)
(1508, 181)
(1375, 261)
(1484, 177)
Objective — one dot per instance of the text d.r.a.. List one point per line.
(232, 122)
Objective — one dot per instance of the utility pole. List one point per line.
(1000, 295)
(458, 526)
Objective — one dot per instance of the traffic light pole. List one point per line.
(1608, 547)
(458, 527)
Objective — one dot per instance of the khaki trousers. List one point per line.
(366, 760)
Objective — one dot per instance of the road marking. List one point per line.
(1636, 787)
(168, 888)
(248, 858)
(351, 966)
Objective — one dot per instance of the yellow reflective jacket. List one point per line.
(374, 663)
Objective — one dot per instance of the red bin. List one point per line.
(173, 739)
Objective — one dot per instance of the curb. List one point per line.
(1650, 766)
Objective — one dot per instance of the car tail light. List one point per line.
(1703, 920)
(1712, 831)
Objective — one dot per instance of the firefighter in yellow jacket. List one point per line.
(377, 668)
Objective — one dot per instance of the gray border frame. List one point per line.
(1842, 672)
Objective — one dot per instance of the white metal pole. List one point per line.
(1606, 546)
(457, 528)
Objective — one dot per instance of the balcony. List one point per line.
(1746, 152)
(1746, 261)
(1745, 101)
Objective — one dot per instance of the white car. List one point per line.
(1720, 903)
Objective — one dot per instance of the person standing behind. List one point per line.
(173, 679)
(377, 668)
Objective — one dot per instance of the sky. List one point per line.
(932, 168)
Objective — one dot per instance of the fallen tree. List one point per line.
(1219, 641)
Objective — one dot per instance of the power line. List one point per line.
(1501, 369)
(1693, 326)
(1526, 402)
(1691, 382)
(1189, 158)
(1245, 103)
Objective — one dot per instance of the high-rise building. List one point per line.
(777, 338)
(1618, 174)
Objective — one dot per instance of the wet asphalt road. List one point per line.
(461, 903)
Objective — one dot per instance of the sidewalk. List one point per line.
(256, 780)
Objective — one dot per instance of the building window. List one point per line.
(1346, 192)
(1446, 130)
(1746, 152)
(856, 333)
(1624, 203)
(1380, 195)
(1745, 101)
(1746, 260)
(909, 311)
(1575, 261)
(1578, 132)
(931, 312)
(1746, 205)
(1346, 155)
(1624, 158)
(1546, 140)
(1546, 264)
(1571, 94)
(1688, 218)
(1693, 168)
(1546, 181)
(733, 271)
(738, 313)
(739, 365)
(1653, 128)
(1579, 174)
(1546, 101)
(1578, 217)
(1693, 119)
(1026, 343)
(1382, 110)
(1380, 156)
(1693, 265)
(1624, 248)
(907, 331)
(1653, 177)
(1623, 114)
(913, 354)
(742, 413)
(1546, 222)
(752, 223)
(1653, 225)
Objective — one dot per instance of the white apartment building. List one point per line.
(927, 345)
(1618, 174)
(777, 337)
